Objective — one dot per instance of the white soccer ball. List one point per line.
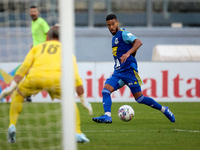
(126, 113)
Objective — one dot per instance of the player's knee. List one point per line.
(139, 99)
(105, 92)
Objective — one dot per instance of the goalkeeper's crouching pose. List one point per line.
(43, 64)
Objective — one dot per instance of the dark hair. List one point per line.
(33, 6)
(53, 33)
(111, 17)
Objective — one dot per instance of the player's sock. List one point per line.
(78, 120)
(15, 107)
(149, 101)
(108, 114)
(107, 102)
(163, 109)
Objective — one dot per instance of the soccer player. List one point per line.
(124, 48)
(39, 29)
(43, 62)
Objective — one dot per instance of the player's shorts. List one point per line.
(130, 77)
(32, 85)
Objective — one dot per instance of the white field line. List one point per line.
(180, 130)
(186, 130)
(107, 131)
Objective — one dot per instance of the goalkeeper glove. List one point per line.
(7, 91)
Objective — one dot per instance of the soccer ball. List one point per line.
(126, 113)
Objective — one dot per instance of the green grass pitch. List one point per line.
(39, 128)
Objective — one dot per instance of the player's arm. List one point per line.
(130, 39)
(136, 44)
(134, 53)
(21, 72)
(45, 27)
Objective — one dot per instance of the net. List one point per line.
(39, 124)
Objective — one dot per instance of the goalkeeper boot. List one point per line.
(88, 106)
(102, 119)
(81, 138)
(169, 114)
(11, 134)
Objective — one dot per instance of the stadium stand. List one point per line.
(183, 11)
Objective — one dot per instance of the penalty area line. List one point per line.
(96, 131)
(180, 130)
(107, 131)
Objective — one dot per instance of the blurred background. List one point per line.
(154, 22)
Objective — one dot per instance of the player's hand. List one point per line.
(124, 58)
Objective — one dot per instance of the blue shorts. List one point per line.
(130, 77)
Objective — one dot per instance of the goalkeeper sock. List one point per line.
(149, 101)
(15, 107)
(107, 102)
(78, 120)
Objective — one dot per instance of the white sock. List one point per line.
(108, 114)
(162, 109)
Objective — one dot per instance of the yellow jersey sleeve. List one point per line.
(28, 61)
(75, 65)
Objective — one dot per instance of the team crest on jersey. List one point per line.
(116, 41)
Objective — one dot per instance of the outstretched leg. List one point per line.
(15, 107)
(80, 137)
(15, 110)
(152, 103)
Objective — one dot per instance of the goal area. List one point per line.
(46, 125)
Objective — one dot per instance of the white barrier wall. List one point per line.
(163, 81)
(176, 53)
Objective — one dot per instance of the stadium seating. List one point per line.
(183, 11)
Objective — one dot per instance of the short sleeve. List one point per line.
(45, 26)
(128, 37)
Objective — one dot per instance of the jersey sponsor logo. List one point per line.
(114, 51)
(117, 64)
(116, 41)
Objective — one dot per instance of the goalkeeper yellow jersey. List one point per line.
(42, 60)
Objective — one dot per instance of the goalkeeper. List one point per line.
(44, 65)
